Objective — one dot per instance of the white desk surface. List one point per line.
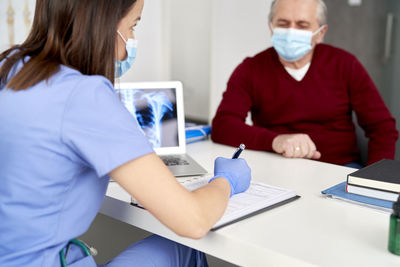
(311, 231)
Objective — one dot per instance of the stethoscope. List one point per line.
(88, 250)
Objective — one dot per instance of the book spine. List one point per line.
(369, 192)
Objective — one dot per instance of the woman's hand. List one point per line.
(235, 171)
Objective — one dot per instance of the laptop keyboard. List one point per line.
(174, 160)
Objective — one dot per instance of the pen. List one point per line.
(238, 151)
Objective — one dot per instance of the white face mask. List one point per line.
(292, 44)
(121, 67)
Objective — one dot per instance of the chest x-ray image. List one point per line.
(155, 111)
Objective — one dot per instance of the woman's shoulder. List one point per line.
(67, 75)
(71, 73)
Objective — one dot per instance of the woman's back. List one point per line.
(50, 162)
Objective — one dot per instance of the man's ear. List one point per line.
(270, 27)
(321, 34)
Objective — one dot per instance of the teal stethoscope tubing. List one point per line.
(73, 242)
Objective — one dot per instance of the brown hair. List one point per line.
(80, 34)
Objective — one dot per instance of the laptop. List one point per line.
(158, 108)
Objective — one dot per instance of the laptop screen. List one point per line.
(156, 109)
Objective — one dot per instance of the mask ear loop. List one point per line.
(316, 32)
(271, 27)
(319, 29)
(123, 38)
(117, 80)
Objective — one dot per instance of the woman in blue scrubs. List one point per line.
(64, 132)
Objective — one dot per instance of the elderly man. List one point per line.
(301, 95)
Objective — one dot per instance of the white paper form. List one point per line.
(257, 197)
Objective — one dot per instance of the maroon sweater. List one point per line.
(320, 105)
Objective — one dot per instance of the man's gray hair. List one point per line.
(322, 11)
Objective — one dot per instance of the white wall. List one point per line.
(152, 59)
(190, 28)
(239, 29)
(20, 30)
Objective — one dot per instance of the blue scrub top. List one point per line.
(58, 141)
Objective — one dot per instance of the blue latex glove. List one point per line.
(236, 171)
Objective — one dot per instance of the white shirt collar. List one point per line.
(298, 74)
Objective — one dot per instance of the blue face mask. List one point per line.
(292, 44)
(121, 67)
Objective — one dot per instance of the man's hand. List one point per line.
(295, 146)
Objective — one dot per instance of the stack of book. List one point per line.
(380, 180)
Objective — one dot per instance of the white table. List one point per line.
(311, 231)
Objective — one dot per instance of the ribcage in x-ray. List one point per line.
(155, 107)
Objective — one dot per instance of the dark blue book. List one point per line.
(382, 175)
